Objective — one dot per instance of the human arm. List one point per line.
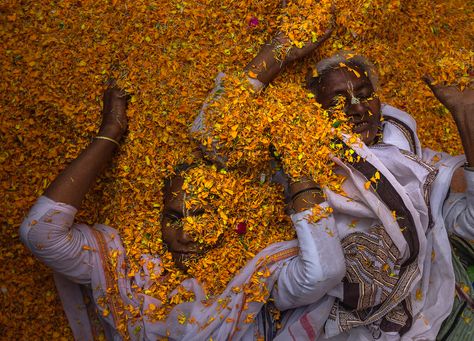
(320, 264)
(318, 268)
(458, 209)
(461, 106)
(50, 234)
(49, 230)
(266, 65)
(231, 111)
(73, 183)
(304, 194)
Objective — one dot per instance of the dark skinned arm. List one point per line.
(461, 106)
(304, 194)
(267, 66)
(74, 182)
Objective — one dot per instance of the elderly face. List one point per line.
(362, 106)
(181, 246)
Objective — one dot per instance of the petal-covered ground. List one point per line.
(56, 57)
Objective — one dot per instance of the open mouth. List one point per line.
(185, 256)
(360, 127)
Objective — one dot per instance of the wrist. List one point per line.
(306, 200)
(301, 184)
(111, 131)
(469, 167)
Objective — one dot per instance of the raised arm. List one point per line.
(72, 184)
(461, 105)
(266, 65)
(49, 230)
(458, 209)
(261, 70)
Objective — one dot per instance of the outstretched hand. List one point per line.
(296, 53)
(72, 184)
(114, 118)
(461, 105)
(455, 100)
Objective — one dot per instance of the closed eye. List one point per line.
(173, 216)
(365, 95)
(337, 100)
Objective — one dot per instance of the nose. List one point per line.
(184, 238)
(356, 109)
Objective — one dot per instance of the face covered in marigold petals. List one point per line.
(206, 208)
(178, 212)
(179, 243)
(362, 106)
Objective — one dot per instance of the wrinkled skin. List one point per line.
(364, 111)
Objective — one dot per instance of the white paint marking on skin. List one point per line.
(350, 87)
(354, 100)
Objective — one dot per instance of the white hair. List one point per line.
(344, 57)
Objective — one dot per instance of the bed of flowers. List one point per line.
(56, 58)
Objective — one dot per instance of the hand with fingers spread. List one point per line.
(461, 105)
(274, 55)
(296, 53)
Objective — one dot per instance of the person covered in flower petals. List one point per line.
(422, 267)
(376, 279)
(90, 260)
(393, 233)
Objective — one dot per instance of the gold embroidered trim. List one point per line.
(111, 290)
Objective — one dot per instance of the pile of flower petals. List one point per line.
(304, 21)
(242, 216)
(304, 135)
(57, 55)
(243, 127)
(235, 128)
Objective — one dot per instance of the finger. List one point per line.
(116, 92)
(123, 94)
(428, 80)
(332, 26)
(333, 8)
(111, 83)
(431, 84)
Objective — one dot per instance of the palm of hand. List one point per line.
(459, 103)
(296, 53)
